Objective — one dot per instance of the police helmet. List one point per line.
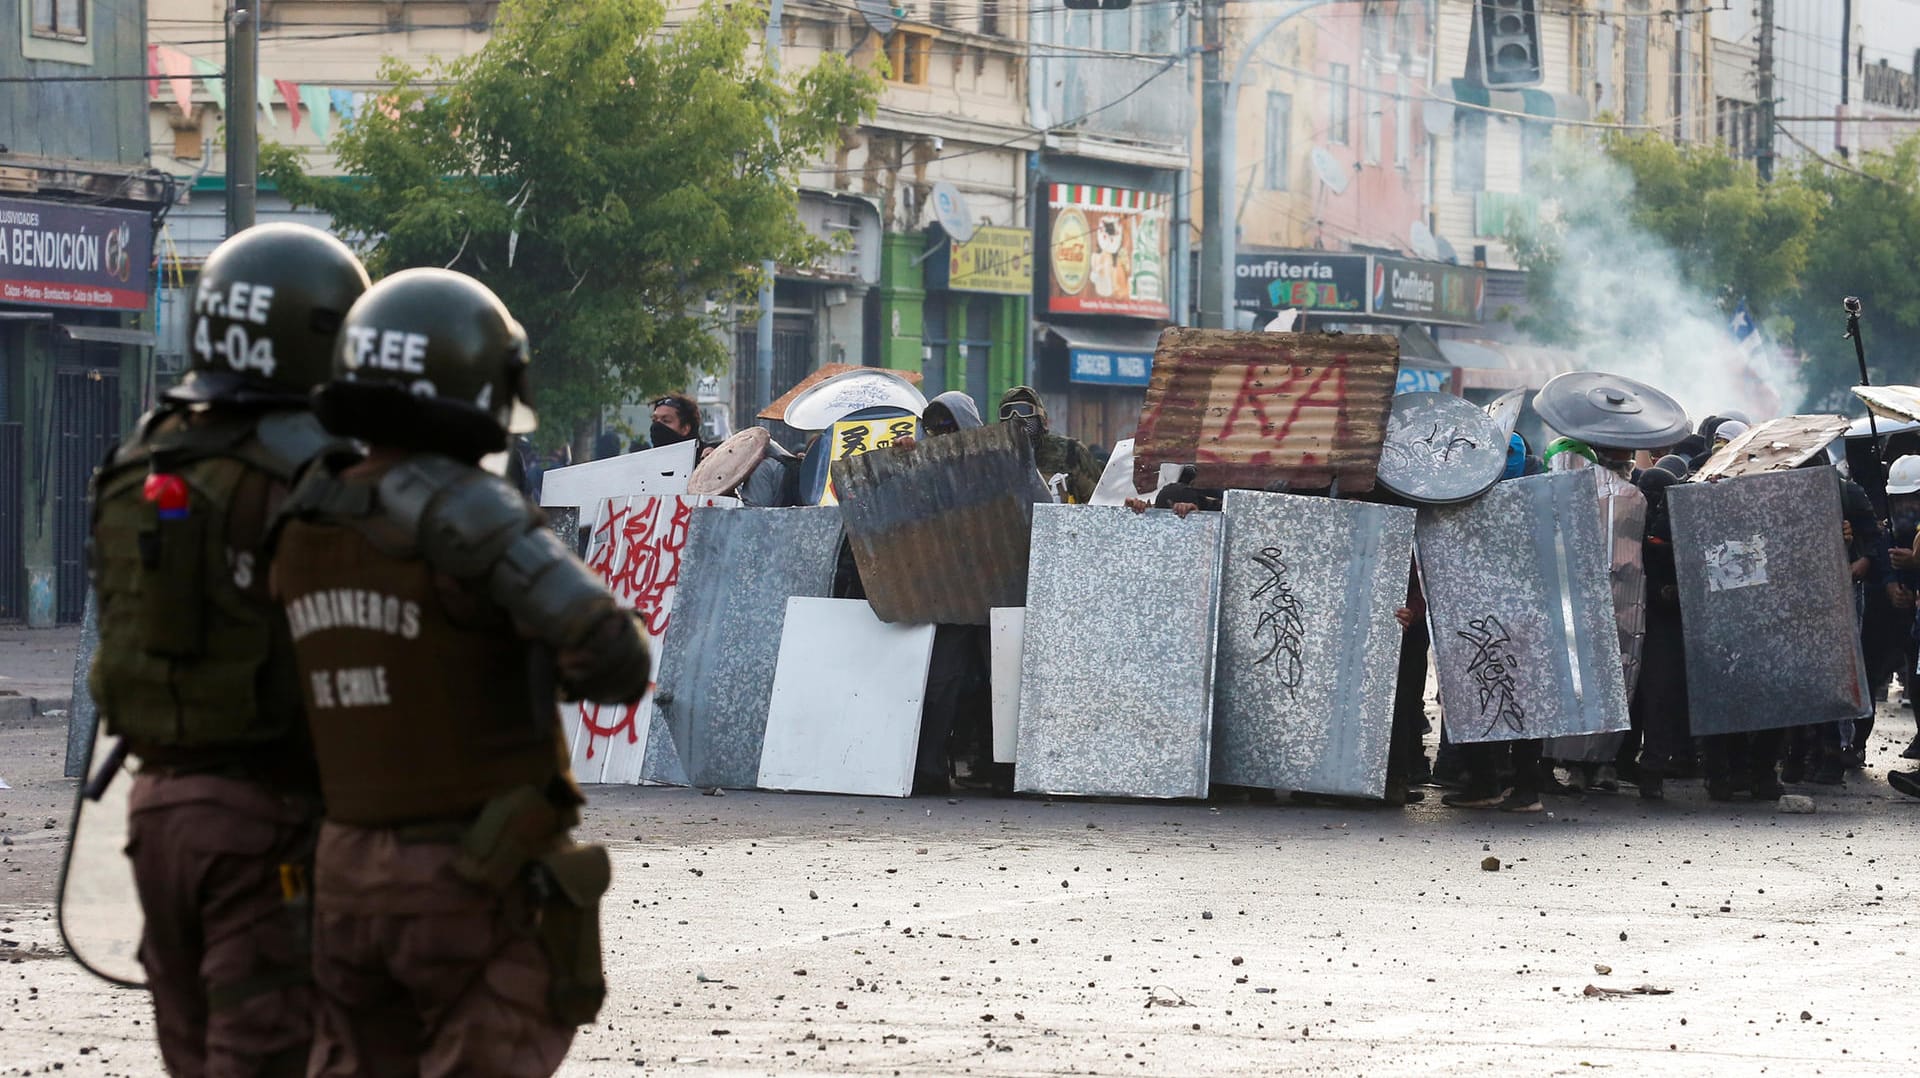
(429, 359)
(266, 312)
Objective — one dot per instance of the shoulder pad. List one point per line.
(463, 518)
(290, 439)
(137, 445)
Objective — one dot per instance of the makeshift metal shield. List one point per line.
(1440, 449)
(831, 400)
(940, 532)
(1624, 509)
(1768, 603)
(1305, 668)
(1116, 679)
(1778, 445)
(777, 411)
(737, 571)
(1506, 409)
(1252, 410)
(730, 463)
(100, 916)
(1900, 403)
(1610, 411)
(1520, 602)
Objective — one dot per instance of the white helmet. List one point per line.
(1904, 476)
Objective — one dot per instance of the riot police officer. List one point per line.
(436, 622)
(195, 667)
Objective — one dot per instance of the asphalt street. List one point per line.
(767, 934)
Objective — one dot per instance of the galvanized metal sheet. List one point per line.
(1767, 601)
(1892, 402)
(1253, 410)
(1520, 602)
(564, 522)
(738, 569)
(940, 531)
(654, 472)
(847, 694)
(1778, 445)
(1610, 411)
(1116, 680)
(1006, 632)
(778, 409)
(1440, 449)
(1506, 409)
(852, 391)
(1308, 653)
(1625, 511)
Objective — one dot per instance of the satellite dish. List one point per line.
(1436, 116)
(1420, 239)
(1331, 172)
(1447, 253)
(950, 209)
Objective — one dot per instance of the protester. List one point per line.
(1065, 465)
(1659, 705)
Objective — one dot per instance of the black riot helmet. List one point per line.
(429, 360)
(266, 313)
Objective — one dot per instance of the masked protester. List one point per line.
(676, 419)
(436, 621)
(195, 667)
(1054, 455)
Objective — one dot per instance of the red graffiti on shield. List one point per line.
(636, 549)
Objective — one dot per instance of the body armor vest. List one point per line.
(194, 665)
(419, 712)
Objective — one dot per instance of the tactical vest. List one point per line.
(189, 662)
(416, 715)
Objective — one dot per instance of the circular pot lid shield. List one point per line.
(1440, 449)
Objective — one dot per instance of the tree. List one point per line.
(1867, 244)
(616, 183)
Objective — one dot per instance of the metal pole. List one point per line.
(1216, 197)
(1764, 158)
(1852, 306)
(243, 117)
(763, 335)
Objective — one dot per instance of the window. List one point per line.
(940, 12)
(1403, 122)
(990, 17)
(60, 18)
(1469, 151)
(1339, 105)
(907, 56)
(1279, 139)
(1373, 106)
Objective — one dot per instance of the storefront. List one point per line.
(973, 317)
(1106, 295)
(73, 375)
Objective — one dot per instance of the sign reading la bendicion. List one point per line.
(56, 255)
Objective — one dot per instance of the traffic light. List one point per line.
(1505, 50)
(1097, 5)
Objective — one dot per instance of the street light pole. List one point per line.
(243, 113)
(763, 333)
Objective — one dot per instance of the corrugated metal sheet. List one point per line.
(1778, 445)
(1891, 402)
(941, 531)
(778, 409)
(1256, 409)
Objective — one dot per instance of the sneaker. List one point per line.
(1912, 751)
(1907, 782)
(1512, 803)
(1766, 788)
(1471, 801)
(1830, 771)
(1652, 788)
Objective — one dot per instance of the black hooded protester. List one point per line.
(1659, 704)
(1053, 454)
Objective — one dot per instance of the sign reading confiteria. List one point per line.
(56, 255)
(1107, 251)
(1427, 291)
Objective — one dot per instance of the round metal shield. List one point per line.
(1608, 411)
(1440, 449)
(730, 462)
(843, 394)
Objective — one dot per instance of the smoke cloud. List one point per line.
(1617, 299)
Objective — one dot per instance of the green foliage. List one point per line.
(617, 184)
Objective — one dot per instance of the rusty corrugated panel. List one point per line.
(941, 531)
(1255, 409)
(778, 409)
(1778, 445)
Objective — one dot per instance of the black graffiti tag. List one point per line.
(1280, 624)
(1492, 668)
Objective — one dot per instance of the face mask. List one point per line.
(661, 434)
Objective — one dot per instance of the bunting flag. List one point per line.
(210, 78)
(179, 69)
(319, 102)
(263, 95)
(290, 93)
(343, 103)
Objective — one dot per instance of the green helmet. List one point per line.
(266, 312)
(429, 359)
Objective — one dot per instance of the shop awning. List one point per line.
(1502, 366)
(142, 338)
(1541, 103)
(1106, 356)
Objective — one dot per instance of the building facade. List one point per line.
(78, 207)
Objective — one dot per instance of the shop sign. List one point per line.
(997, 261)
(1109, 367)
(1301, 280)
(1419, 380)
(57, 255)
(1107, 251)
(1427, 291)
